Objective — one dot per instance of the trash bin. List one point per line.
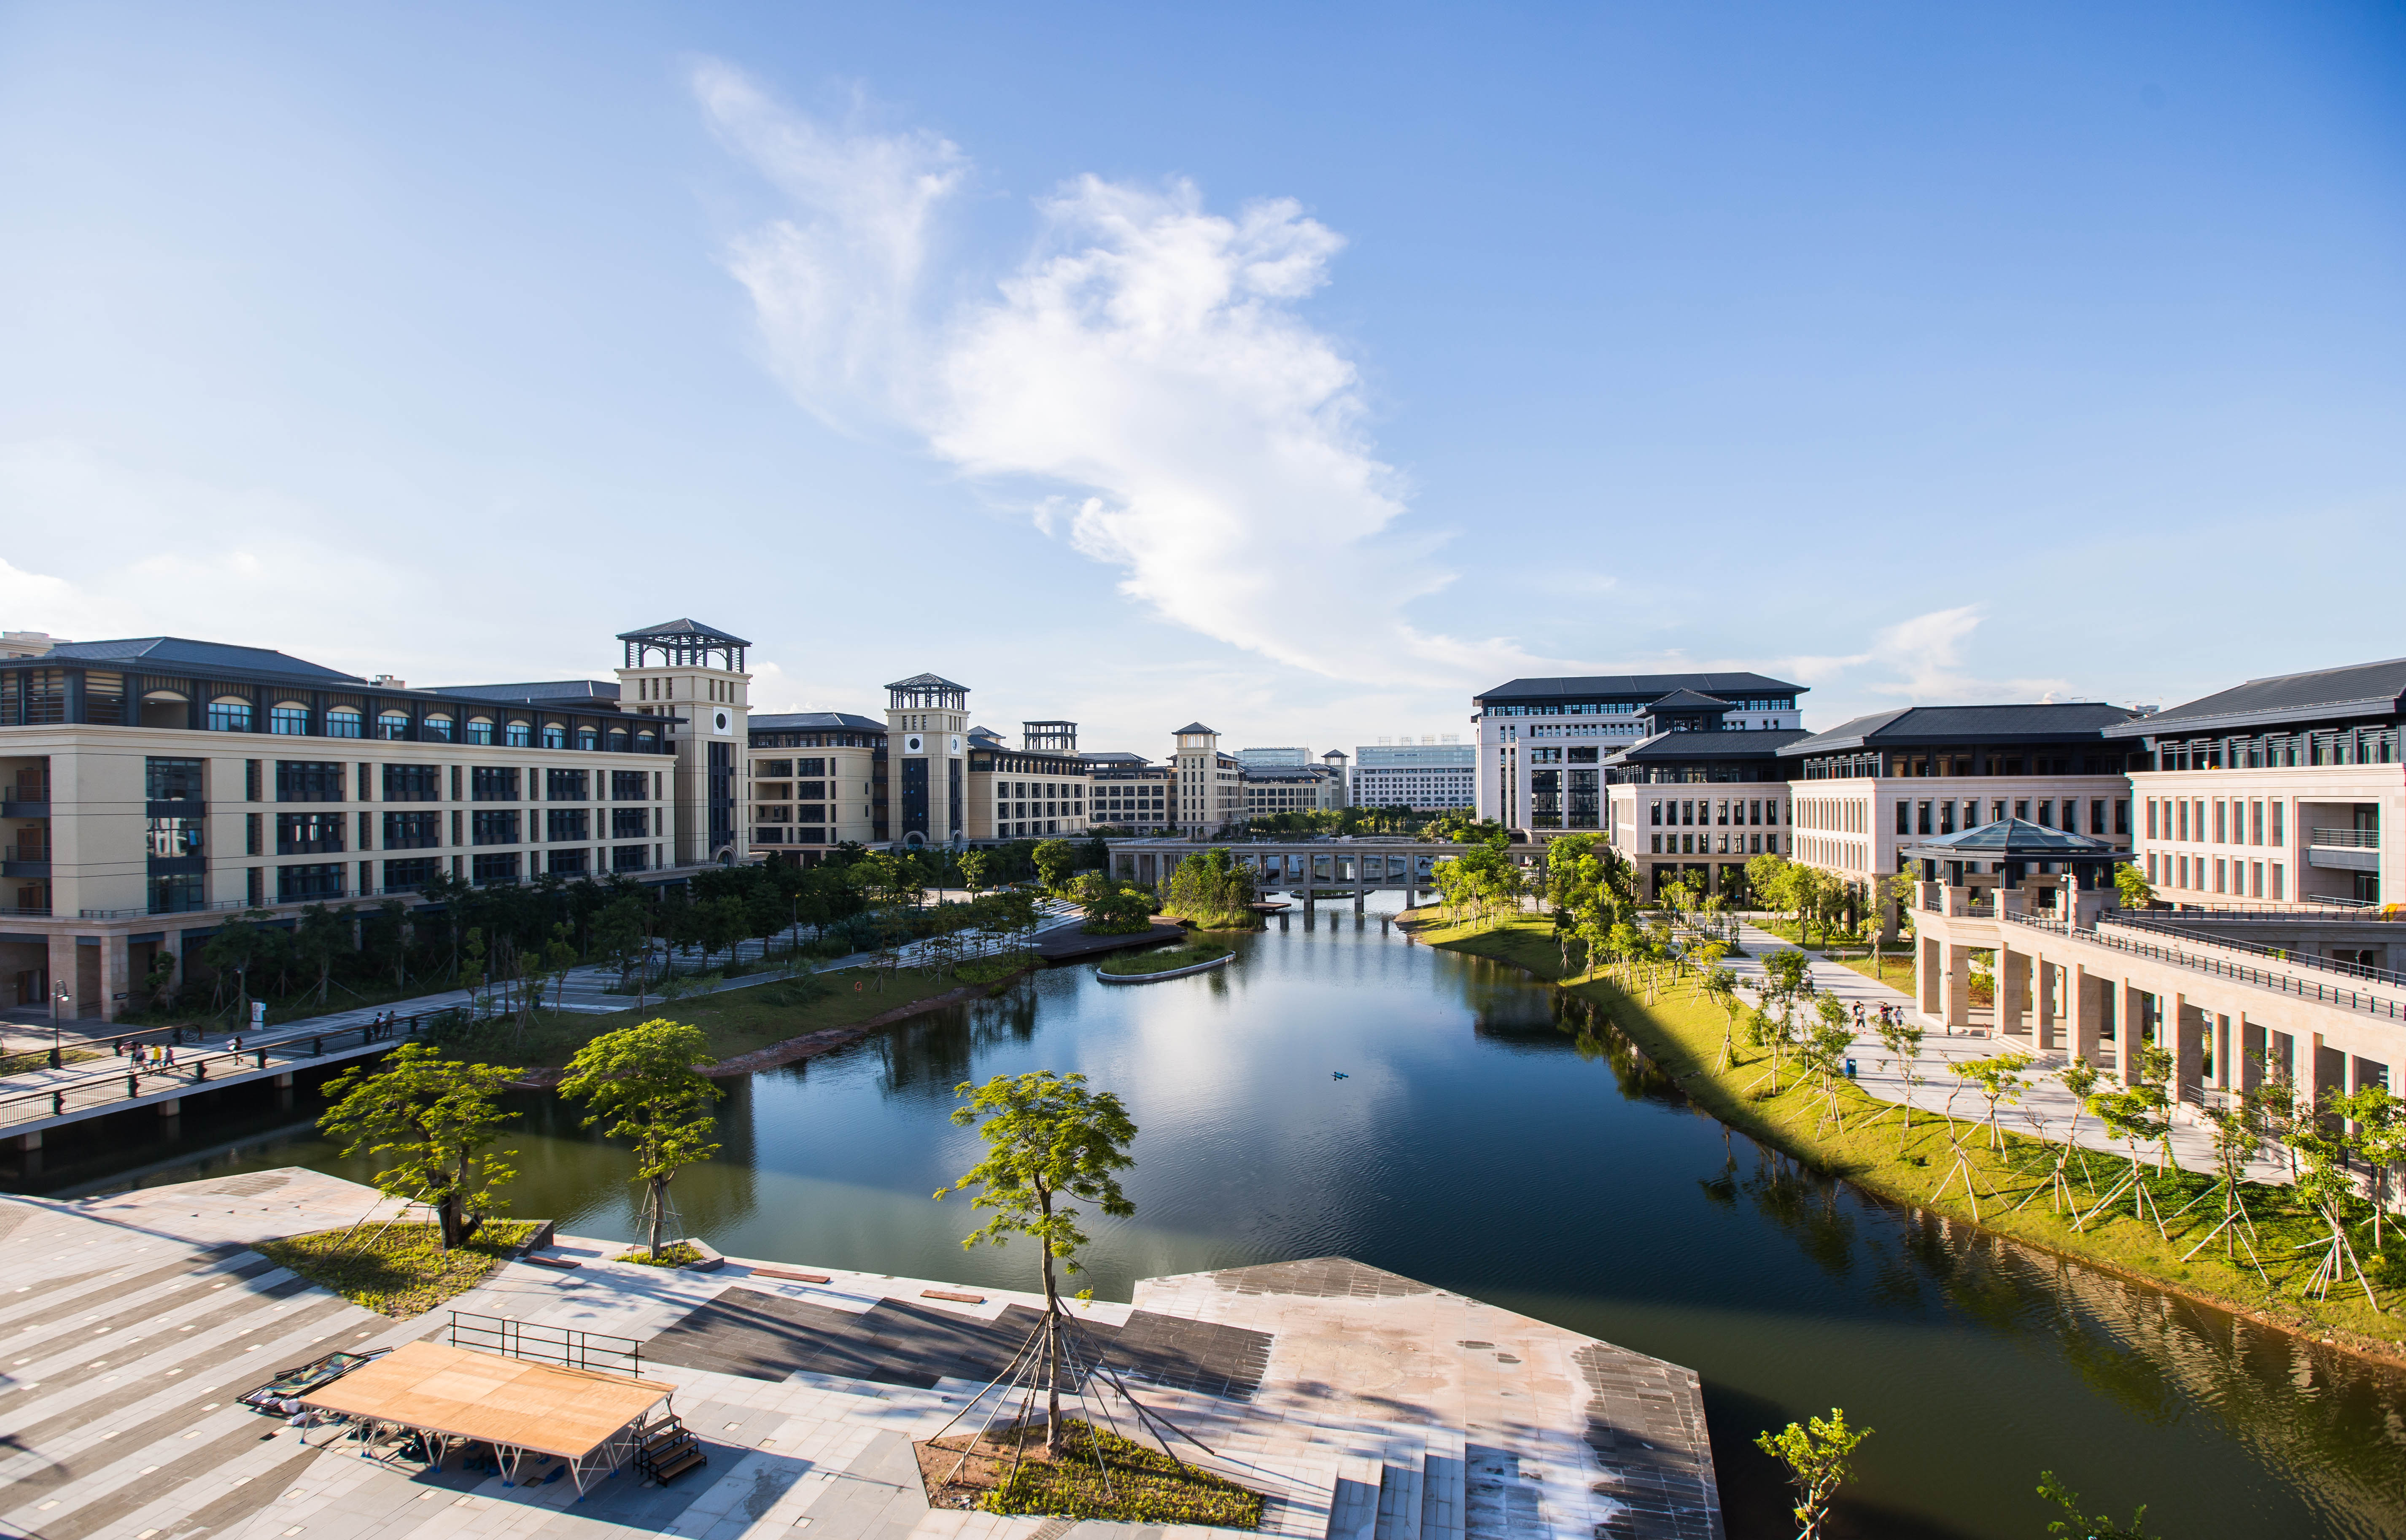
(1850, 1070)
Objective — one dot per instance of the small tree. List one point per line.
(1816, 1453)
(2131, 887)
(1999, 1080)
(2076, 1525)
(1054, 860)
(2380, 1120)
(436, 1118)
(649, 1078)
(975, 866)
(1048, 1137)
(1901, 1036)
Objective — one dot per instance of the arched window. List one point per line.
(617, 740)
(518, 735)
(554, 736)
(393, 725)
(291, 718)
(343, 722)
(435, 729)
(644, 742)
(229, 714)
(480, 729)
(588, 739)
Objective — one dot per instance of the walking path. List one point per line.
(2047, 1108)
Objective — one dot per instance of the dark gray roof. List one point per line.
(1674, 747)
(2041, 723)
(551, 690)
(2358, 689)
(2014, 839)
(926, 682)
(670, 631)
(1198, 726)
(984, 735)
(1637, 686)
(1689, 700)
(806, 720)
(1287, 772)
(1115, 758)
(183, 653)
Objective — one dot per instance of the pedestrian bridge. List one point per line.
(1360, 865)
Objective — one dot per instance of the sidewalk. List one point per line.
(2047, 1108)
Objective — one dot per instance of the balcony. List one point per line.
(26, 861)
(2344, 849)
(21, 807)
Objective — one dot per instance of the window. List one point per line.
(171, 780)
(627, 857)
(567, 785)
(2182, 805)
(617, 740)
(2097, 815)
(2255, 828)
(229, 714)
(587, 738)
(303, 885)
(2276, 875)
(2218, 823)
(570, 862)
(480, 729)
(2255, 875)
(494, 869)
(435, 729)
(519, 735)
(2122, 815)
(308, 833)
(412, 830)
(1923, 820)
(1903, 818)
(177, 894)
(493, 783)
(565, 825)
(630, 786)
(413, 782)
(173, 839)
(2279, 839)
(392, 726)
(494, 826)
(343, 722)
(1947, 817)
(308, 780)
(409, 875)
(289, 719)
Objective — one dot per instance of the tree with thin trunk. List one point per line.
(1721, 987)
(1816, 1452)
(2380, 1120)
(1901, 1036)
(1048, 1139)
(435, 1119)
(1999, 1082)
(649, 1077)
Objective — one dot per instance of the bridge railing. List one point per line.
(194, 1072)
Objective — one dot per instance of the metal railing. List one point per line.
(2285, 954)
(2345, 839)
(562, 1345)
(192, 1073)
(2344, 909)
(27, 912)
(29, 853)
(2263, 978)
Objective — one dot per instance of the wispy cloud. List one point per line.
(1920, 661)
(1144, 373)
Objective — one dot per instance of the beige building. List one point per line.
(927, 761)
(1037, 791)
(2279, 791)
(1207, 783)
(818, 780)
(694, 674)
(156, 784)
(1272, 789)
(1129, 792)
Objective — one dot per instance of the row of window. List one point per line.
(315, 833)
(2238, 879)
(2234, 821)
(1686, 843)
(1631, 708)
(1752, 811)
(2105, 814)
(2367, 745)
(313, 882)
(326, 781)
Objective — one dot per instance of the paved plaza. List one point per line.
(1364, 1405)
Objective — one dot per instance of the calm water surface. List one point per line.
(1481, 1144)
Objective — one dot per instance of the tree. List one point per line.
(1122, 912)
(975, 866)
(1816, 1453)
(436, 1118)
(2130, 885)
(1901, 1036)
(1048, 1137)
(1999, 1080)
(1054, 860)
(1721, 987)
(649, 1078)
(622, 931)
(2380, 1120)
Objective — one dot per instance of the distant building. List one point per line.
(1528, 723)
(1424, 777)
(1273, 789)
(1128, 791)
(818, 780)
(1037, 791)
(1207, 791)
(1263, 759)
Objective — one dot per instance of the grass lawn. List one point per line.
(735, 1021)
(1895, 969)
(1166, 959)
(1682, 1033)
(399, 1270)
(39, 1058)
(1146, 1486)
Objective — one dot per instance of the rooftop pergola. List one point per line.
(927, 692)
(2015, 843)
(683, 644)
(1049, 737)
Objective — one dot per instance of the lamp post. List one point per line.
(59, 998)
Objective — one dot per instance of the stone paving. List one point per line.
(1364, 1405)
(2045, 1107)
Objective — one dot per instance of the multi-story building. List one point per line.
(818, 780)
(155, 783)
(927, 761)
(1424, 777)
(2279, 791)
(1127, 791)
(1864, 790)
(1207, 788)
(1273, 789)
(1582, 719)
(1037, 791)
(1286, 759)
(694, 673)
(1692, 800)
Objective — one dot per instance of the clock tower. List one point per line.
(926, 760)
(693, 674)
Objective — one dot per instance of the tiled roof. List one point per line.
(1689, 700)
(183, 653)
(2015, 839)
(2040, 722)
(805, 721)
(671, 629)
(926, 682)
(1637, 686)
(1197, 727)
(1672, 747)
(2356, 689)
(558, 689)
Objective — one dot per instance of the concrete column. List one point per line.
(2222, 1053)
(2325, 1073)
(2044, 1035)
(2129, 1019)
(2084, 1011)
(63, 976)
(116, 977)
(2188, 1050)
(1929, 981)
(1958, 1014)
(2012, 990)
(2252, 1047)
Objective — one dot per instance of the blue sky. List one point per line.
(1299, 369)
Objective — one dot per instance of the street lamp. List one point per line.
(59, 999)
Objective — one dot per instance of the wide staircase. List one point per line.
(667, 1449)
(1415, 1490)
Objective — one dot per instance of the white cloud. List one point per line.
(1144, 369)
(1918, 662)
